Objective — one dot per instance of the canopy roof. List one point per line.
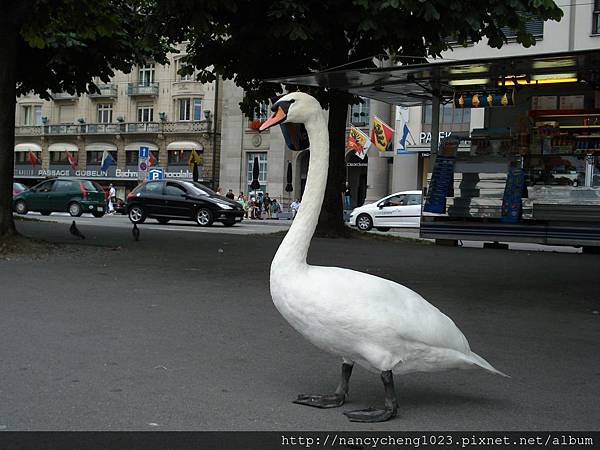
(414, 84)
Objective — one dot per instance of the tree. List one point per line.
(48, 45)
(250, 41)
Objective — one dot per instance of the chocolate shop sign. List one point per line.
(112, 172)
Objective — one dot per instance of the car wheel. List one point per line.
(162, 220)
(229, 223)
(21, 207)
(98, 214)
(75, 209)
(137, 214)
(364, 222)
(383, 228)
(45, 213)
(204, 217)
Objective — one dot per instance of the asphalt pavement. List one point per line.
(178, 332)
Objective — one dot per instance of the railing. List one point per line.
(142, 89)
(64, 96)
(106, 90)
(204, 126)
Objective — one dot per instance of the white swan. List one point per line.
(381, 325)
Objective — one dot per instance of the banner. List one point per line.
(381, 135)
(71, 159)
(359, 142)
(107, 160)
(402, 142)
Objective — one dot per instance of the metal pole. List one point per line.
(435, 119)
(215, 119)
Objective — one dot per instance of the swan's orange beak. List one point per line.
(277, 117)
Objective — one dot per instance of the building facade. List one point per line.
(152, 106)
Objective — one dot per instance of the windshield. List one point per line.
(197, 188)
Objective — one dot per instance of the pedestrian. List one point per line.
(275, 209)
(246, 205)
(252, 208)
(259, 205)
(112, 194)
(230, 195)
(267, 205)
(347, 197)
(295, 206)
(219, 191)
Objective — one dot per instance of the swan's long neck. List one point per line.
(294, 248)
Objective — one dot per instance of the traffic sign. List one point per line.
(143, 153)
(156, 174)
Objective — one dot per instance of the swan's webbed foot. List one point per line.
(379, 415)
(335, 400)
(370, 415)
(321, 401)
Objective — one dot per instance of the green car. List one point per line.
(72, 195)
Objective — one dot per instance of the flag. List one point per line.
(72, 160)
(195, 158)
(151, 159)
(358, 141)
(33, 159)
(107, 160)
(402, 142)
(381, 135)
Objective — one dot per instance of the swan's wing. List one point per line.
(385, 309)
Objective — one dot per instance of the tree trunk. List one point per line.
(8, 65)
(331, 219)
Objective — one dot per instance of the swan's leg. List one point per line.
(379, 415)
(329, 400)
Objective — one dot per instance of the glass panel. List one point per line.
(397, 200)
(62, 186)
(174, 189)
(38, 115)
(197, 109)
(596, 171)
(446, 113)
(179, 157)
(427, 113)
(184, 109)
(154, 187)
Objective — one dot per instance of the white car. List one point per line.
(402, 209)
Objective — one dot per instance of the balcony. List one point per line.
(204, 126)
(144, 89)
(187, 88)
(106, 91)
(57, 96)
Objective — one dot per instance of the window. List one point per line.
(62, 186)
(263, 112)
(397, 200)
(131, 157)
(23, 157)
(174, 189)
(179, 157)
(596, 18)
(61, 158)
(451, 118)
(154, 187)
(66, 114)
(190, 109)
(105, 111)
(262, 170)
(95, 158)
(413, 199)
(534, 25)
(46, 186)
(185, 77)
(145, 113)
(146, 75)
(360, 113)
(32, 115)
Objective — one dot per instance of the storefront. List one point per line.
(532, 174)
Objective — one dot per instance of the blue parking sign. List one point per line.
(143, 152)
(156, 174)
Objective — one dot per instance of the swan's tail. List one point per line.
(474, 358)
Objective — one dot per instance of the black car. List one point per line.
(181, 200)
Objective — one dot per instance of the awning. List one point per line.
(100, 147)
(135, 146)
(414, 84)
(62, 147)
(185, 145)
(26, 147)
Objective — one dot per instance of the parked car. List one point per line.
(73, 195)
(402, 209)
(18, 188)
(182, 200)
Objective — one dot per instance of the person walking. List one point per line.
(275, 209)
(112, 194)
(347, 197)
(295, 206)
(267, 205)
(230, 195)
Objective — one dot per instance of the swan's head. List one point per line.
(296, 107)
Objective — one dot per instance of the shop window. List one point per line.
(262, 169)
(60, 158)
(95, 158)
(556, 170)
(596, 18)
(145, 113)
(105, 112)
(23, 157)
(359, 113)
(179, 157)
(131, 157)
